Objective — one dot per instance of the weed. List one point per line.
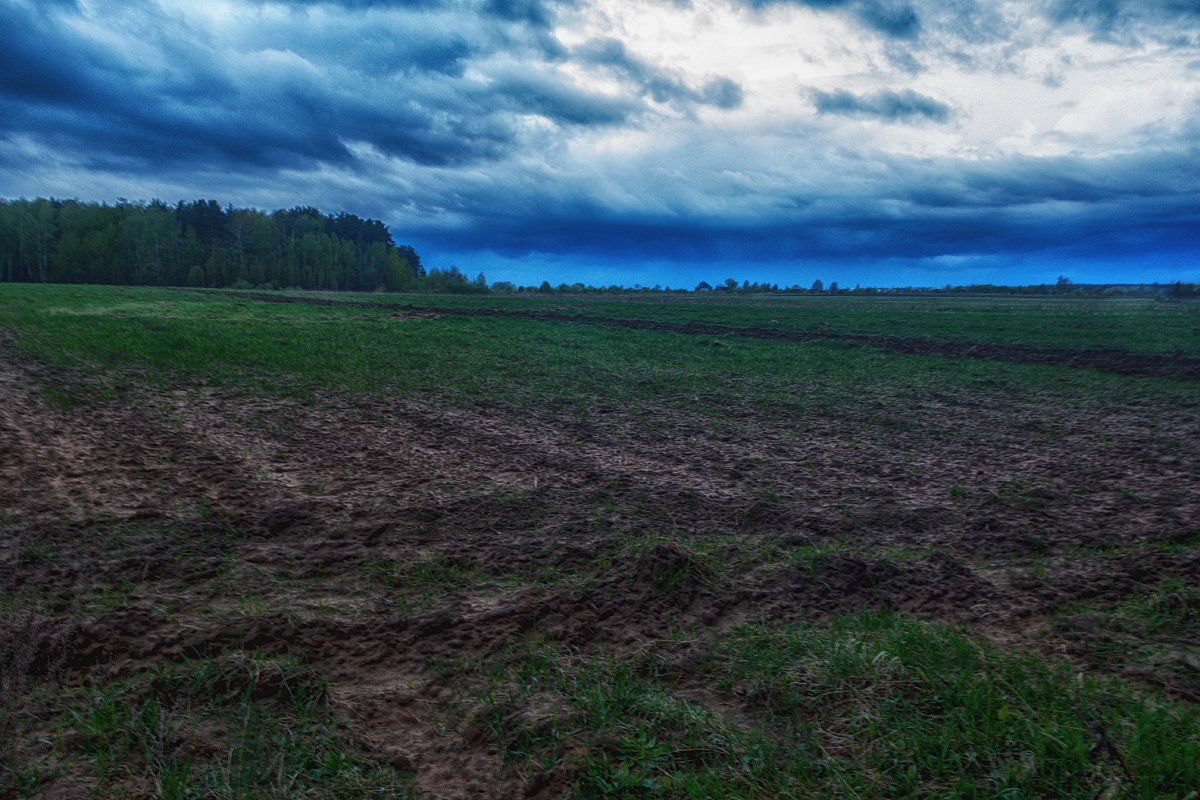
(275, 736)
(33, 651)
(38, 552)
(415, 584)
(867, 705)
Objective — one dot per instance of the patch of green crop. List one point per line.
(408, 585)
(564, 367)
(1136, 325)
(1153, 634)
(237, 726)
(924, 707)
(1132, 325)
(871, 705)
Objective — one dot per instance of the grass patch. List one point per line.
(410, 585)
(870, 705)
(1138, 325)
(557, 365)
(239, 726)
(1152, 635)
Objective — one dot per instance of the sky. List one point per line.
(651, 142)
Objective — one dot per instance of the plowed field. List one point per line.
(562, 554)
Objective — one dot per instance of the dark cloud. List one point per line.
(1159, 19)
(896, 20)
(722, 93)
(139, 137)
(378, 38)
(304, 95)
(358, 5)
(369, 49)
(893, 18)
(1114, 12)
(447, 55)
(911, 209)
(952, 23)
(659, 84)
(547, 95)
(530, 12)
(41, 63)
(539, 13)
(902, 106)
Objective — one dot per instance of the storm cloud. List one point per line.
(889, 17)
(527, 135)
(904, 105)
(658, 83)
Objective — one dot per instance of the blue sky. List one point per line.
(881, 142)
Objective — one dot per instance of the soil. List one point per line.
(196, 522)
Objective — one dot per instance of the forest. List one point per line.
(202, 244)
(199, 243)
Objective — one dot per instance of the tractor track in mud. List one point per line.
(1112, 361)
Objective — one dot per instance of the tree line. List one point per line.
(200, 243)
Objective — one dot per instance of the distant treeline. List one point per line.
(202, 244)
(1063, 286)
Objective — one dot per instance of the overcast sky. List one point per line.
(881, 142)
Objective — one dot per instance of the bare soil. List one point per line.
(197, 522)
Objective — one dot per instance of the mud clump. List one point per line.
(636, 597)
(1111, 579)
(283, 518)
(34, 646)
(669, 567)
(938, 587)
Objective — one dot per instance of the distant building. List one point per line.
(703, 287)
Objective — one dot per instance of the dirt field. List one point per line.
(383, 539)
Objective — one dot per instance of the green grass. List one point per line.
(1154, 634)
(1138, 325)
(871, 705)
(1173, 606)
(567, 368)
(238, 726)
(410, 585)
